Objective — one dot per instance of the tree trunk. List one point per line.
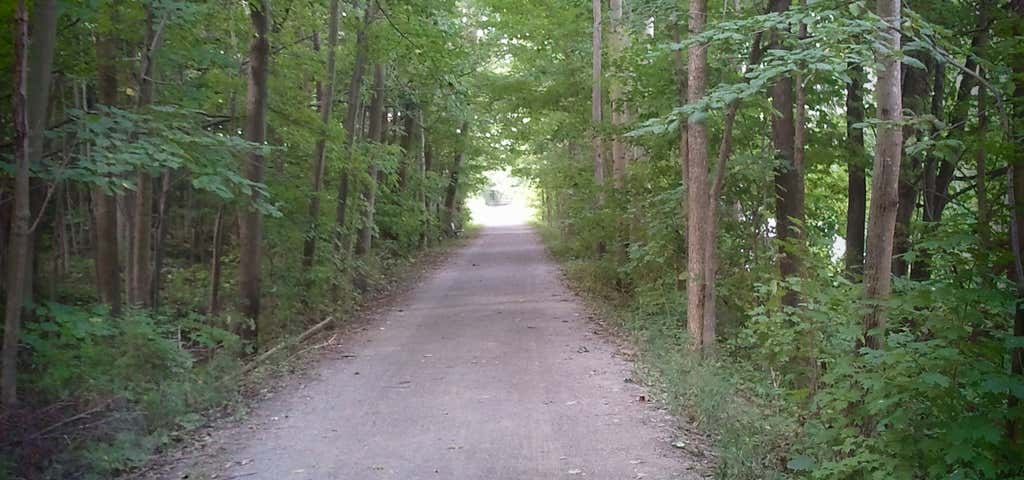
(885, 178)
(856, 185)
(451, 193)
(162, 219)
(249, 218)
(696, 182)
(789, 175)
(365, 238)
(351, 116)
(18, 274)
(936, 195)
(915, 99)
(108, 268)
(213, 307)
(620, 115)
(325, 98)
(596, 116)
(140, 283)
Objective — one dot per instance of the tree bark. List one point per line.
(696, 183)
(596, 116)
(365, 238)
(250, 221)
(108, 268)
(789, 174)
(162, 220)
(885, 179)
(325, 98)
(856, 184)
(914, 97)
(140, 283)
(451, 197)
(18, 274)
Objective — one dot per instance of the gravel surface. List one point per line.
(489, 369)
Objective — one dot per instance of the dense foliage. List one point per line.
(791, 388)
(146, 126)
(186, 182)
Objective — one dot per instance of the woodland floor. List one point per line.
(488, 369)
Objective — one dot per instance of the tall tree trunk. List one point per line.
(108, 268)
(325, 98)
(620, 116)
(596, 116)
(18, 274)
(31, 81)
(856, 184)
(365, 238)
(250, 220)
(885, 178)
(981, 166)
(140, 283)
(451, 197)
(915, 99)
(696, 182)
(789, 175)
(423, 165)
(351, 116)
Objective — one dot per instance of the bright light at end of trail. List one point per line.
(506, 201)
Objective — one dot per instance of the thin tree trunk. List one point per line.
(325, 97)
(108, 269)
(421, 189)
(616, 45)
(213, 307)
(249, 218)
(856, 186)
(596, 116)
(162, 219)
(697, 182)
(936, 197)
(885, 179)
(981, 166)
(365, 238)
(351, 116)
(140, 284)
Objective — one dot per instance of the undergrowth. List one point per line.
(101, 393)
(742, 413)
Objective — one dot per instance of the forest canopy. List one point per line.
(806, 212)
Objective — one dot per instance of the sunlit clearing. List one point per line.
(506, 201)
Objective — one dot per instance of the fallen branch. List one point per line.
(269, 353)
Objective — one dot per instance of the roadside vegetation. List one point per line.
(187, 185)
(806, 212)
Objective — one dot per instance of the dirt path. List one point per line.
(487, 370)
